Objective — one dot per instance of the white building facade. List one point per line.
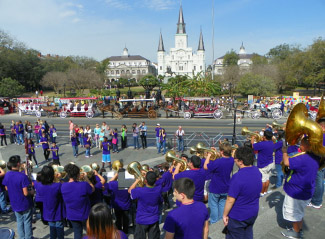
(181, 60)
(244, 61)
(129, 67)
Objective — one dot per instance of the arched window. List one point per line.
(117, 72)
(122, 71)
(143, 71)
(138, 72)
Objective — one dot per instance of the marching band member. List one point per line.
(299, 186)
(76, 198)
(220, 171)
(149, 198)
(55, 154)
(242, 205)
(264, 158)
(196, 174)
(16, 184)
(278, 158)
(191, 219)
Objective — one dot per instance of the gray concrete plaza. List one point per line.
(268, 224)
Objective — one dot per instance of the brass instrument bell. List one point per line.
(59, 173)
(3, 164)
(245, 131)
(95, 166)
(202, 148)
(145, 167)
(277, 126)
(193, 150)
(117, 164)
(134, 169)
(298, 125)
(171, 158)
(86, 169)
(321, 109)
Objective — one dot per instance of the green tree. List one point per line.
(149, 82)
(252, 84)
(231, 58)
(10, 88)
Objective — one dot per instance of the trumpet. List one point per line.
(202, 148)
(86, 169)
(59, 173)
(171, 158)
(245, 131)
(134, 169)
(117, 164)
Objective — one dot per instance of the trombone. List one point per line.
(171, 158)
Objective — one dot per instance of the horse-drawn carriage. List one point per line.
(77, 107)
(30, 106)
(5, 106)
(138, 108)
(258, 110)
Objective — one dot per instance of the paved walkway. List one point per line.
(268, 224)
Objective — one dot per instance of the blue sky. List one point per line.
(101, 28)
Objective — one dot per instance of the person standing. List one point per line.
(180, 139)
(3, 202)
(265, 150)
(87, 144)
(55, 154)
(278, 158)
(115, 141)
(75, 195)
(143, 134)
(124, 139)
(3, 135)
(71, 127)
(106, 157)
(149, 199)
(135, 130)
(74, 143)
(220, 170)
(31, 151)
(157, 129)
(45, 145)
(242, 205)
(97, 131)
(13, 137)
(21, 200)
(36, 131)
(299, 186)
(162, 141)
(179, 222)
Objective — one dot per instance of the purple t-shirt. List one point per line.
(76, 199)
(31, 149)
(44, 145)
(16, 127)
(53, 209)
(52, 130)
(221, 169)
(157, 129)
(2, 131)
(121, 197)
(97, 195)
(87, 142)
(74, 141)
(245, 186)
(21, 128)
(293, 149)
(39, 195)
(265, 153)
(278, 151)
(198, 176)
(106, 149)
(55, 152)
(301, 179)
(148, 203)
(166, 181)
(15, 182)
(187, 221)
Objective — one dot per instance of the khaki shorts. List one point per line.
(266, 171)
(293, 210)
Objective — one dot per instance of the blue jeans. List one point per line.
(77, 229)
(317, 198)
(37, 138)
(279, 175)
(115, 148)
(216, 204)
(163, 145)
(24, 224)
(56, 230)
(157, 142)
(20, 139)
(180, 142)
(88, 151)
(29, 135)
(3, 203)
(75, 150)
(81, 140)
(136, 142)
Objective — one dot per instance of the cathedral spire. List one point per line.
(201, 43)
(181, 23)
(161, 44)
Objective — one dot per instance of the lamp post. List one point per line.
(118, 93)
(64, 89)
(230, 95)
(233, 141)
(129, 92)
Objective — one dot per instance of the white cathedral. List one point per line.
(181, 60)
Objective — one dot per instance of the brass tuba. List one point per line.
(245, 131)
(298, 125)
(134, 169)
(201, 148)
(321, 110)
(117, 164)
(171, 158)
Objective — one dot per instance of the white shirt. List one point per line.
(180, 133)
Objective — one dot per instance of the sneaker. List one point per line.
(87, 156)
(36, 166)
(91, 155)
(291, 234)
(268, 192)
(262, 194)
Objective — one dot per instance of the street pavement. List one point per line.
(268, 224)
